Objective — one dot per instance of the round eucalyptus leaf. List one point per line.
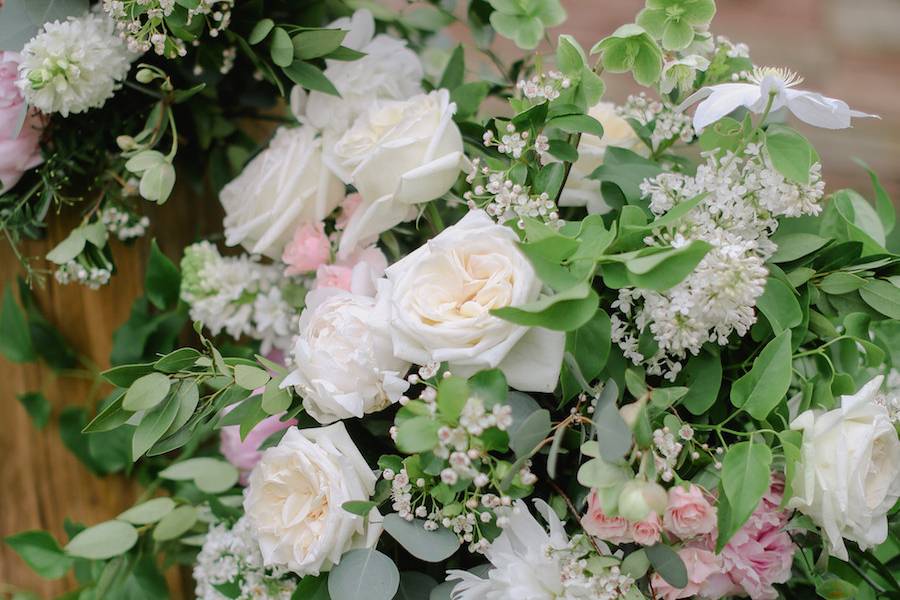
(103, 541)
(430, 546)
(150, 511)
(364, 574)
(209, 474)
(415, 586)
(175, 523)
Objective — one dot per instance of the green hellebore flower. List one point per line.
(630, 48)
(673, 21)
(523, 21)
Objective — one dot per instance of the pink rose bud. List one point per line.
(348, 207)
(689, 514)
(596, 523)
(19, 147)
(647, 532)
(308, 249)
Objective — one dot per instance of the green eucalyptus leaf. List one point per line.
(103, 541)
(430, 546)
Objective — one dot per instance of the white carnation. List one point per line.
(345, 366)
(72, 66)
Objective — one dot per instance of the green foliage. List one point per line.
(631, 48)
(41, 552)
(15, 339)
(674, 21)
(761, 389)
(103, 541)
(668, 564)
(430, 546)
(37, 406)
(745, 478)
(364, 575)
(524, 21)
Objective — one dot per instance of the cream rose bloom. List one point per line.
(397, 155)
(388, 71)
(848, 476)
(294, 498)
(580, 190)
(345, 366)
(284, 186)
(441, 295)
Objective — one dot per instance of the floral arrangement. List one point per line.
(483, 337)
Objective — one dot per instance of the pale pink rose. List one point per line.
(647, 531)
(689, 513)
(357, 273)
(22, 152)
(348, 207)
(245, 454)
(308, 249)
(761, 553)
(596, 523)
(706, 578)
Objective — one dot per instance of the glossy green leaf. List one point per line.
(765, 385)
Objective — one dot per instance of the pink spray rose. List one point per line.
(308, 249)
(596, 523)
(22, 151)
(646, 532)
(357, 273)
(705, 577)
(760, 553)
(245, 454)
(689, 513)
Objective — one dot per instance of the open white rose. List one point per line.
(399, 154)
(580, 190)
(848, 476)
(344, 363)
(295, 495)
(284, 186)
(441, 296)
(388, 71)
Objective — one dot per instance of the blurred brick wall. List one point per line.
(848, 49)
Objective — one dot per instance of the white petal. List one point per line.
(370, 220)
(821, 111)
(430, 181)
(533, 364)
(723, 100)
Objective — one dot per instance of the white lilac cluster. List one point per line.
(123, 224)
(503, 199)
(141, 23)
(544, 86)
(238, 295)
(93, 277)
(890, 398)
(74, 65)
(745, 194)
(529, 562)
(667, 124)
(230, 558)
(667, 448)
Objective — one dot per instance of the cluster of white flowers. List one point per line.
(890, 398)
(72, 66)
(231, 558)
(503, 199)
(667, 124)
(123, 224)
(141, 23)
(93, 277)
(667, 451)
(745, 194)
(238, 295)
(544, 86)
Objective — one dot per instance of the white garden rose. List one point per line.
(284, 186)
(397, 155)
(441, 296)
(345, 366)
(848, 476)
(388, 71)
(294, 499)
(580, 190)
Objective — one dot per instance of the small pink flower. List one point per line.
(596, 523)
(20, 152)
(245, 454)
(348, 207)
(308, 249)
(356, 274)
(333, 276)
(647, 531)
(706, 578)
(689, 513)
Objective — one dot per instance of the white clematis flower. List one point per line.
(810, 107)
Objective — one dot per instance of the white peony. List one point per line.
(388, 71)
(284, 186)
(72, 66)
(344, 364)
(524, 564)
(441, 296)
(397, 155)
(580, 190)
(848, 476)
(294, 499)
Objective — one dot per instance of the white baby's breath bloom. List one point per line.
(848, 477)
(344, 363)
(388, 71)
(294, 499)
(284, 186)
(777, 84)
(72, 66)
(441, 295)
